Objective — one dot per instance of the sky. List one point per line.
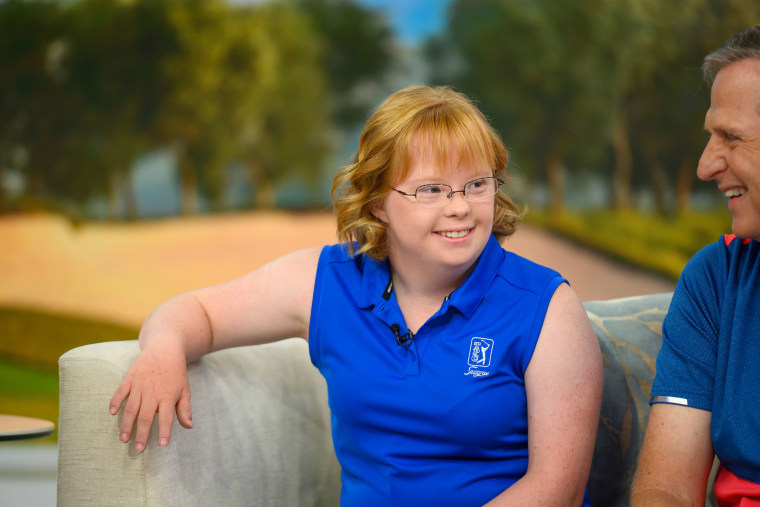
(413, 20)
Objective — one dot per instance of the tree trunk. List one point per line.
(130, 197)
(4, 192)
(188, 182)
(555, 175)
(659, 185)
(684, 185)
(265, 197)
(621, 144)
(115, 204)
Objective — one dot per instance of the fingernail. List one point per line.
(139, 447)
(163, 442)
(124, 437)
(113, 410)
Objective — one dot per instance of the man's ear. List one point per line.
(378, 211)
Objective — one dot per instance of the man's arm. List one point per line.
(676, 457)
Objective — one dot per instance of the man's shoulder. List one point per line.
(723, 250)
(709, 254)
(733, 239)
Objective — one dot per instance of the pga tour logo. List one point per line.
(479, 357)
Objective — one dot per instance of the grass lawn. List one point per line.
(30, 344)
(30, 392)
(659, 244)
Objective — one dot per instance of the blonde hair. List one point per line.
(441, 118)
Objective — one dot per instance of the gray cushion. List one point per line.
(629, 331)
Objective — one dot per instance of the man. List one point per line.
(706, 395)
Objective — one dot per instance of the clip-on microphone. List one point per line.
(405, 340)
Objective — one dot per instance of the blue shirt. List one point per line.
(442, 421)
(710, 354)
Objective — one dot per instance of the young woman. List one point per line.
(458, 373)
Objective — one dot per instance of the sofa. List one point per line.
(261, 432)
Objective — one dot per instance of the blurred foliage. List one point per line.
(603, 88)
(610, 87)
(53, 335)
(29, 367)
(534, 65)
(89, 86)
(358, 53)
(649, 241)
(248, 86)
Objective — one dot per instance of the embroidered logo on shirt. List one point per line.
(479, 357)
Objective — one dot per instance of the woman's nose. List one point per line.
(457, 204)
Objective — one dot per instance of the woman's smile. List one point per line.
(454, 234)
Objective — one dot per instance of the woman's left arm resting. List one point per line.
(563, 384)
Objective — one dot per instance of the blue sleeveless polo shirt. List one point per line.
(444, 421)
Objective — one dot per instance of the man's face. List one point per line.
(732, 155)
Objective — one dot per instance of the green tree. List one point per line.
(192, 119)
(626, 45)
(290, 137)
(534, 66)
(567, 83)
(82, 87)
(246, 85)
(113, 62)
(358, 52)
(667, 111)
(91, 86)
(31, 85)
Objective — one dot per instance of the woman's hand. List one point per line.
(156, 382)
(269, 304)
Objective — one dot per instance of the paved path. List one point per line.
(121, 272)
(592, 275)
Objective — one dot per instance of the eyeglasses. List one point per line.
(439, 194)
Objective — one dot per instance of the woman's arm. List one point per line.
(563, 383)
(269, 304)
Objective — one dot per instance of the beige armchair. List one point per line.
(261, 431)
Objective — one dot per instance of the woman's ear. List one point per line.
(378, 211)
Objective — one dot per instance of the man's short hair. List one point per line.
(745, 44)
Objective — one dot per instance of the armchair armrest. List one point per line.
(261, 433)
